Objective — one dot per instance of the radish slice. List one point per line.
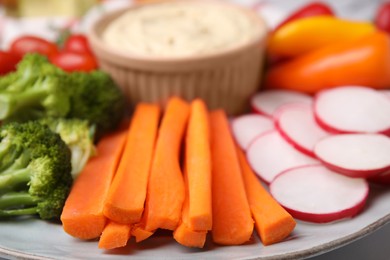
(245, 128)
(297, 125)
(353, 109)
(267, 102)
(317, 194)
(270, 154)
(355, 155)
(386, 92)
(383, 178)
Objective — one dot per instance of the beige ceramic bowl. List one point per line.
(224, 79)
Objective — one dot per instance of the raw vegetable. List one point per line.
(78, 136)
(125, 201)
(74, 61)
(232, 220)
(77, 43)
(8, 62)
(317, 194)
(114, 235)
(270, 154)
(296, 123)
(355, 155)
(166, 190)
(34, 171)
(365, 61)
(302, 36)
(140, 233)
(382, 17)
(272, 222)
(353, 109)
(309, 10)
(267, 102)
(32, 44)
(247, 127)
(82, 215)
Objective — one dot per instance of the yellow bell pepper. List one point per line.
(304, 35)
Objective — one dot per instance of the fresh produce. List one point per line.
(82, 215)
(309, 10)
(382, 179)
(267, 102)
(246, 127)
(196, 218)
(270, 154)
(8, 62)
(78, 135)
(302, 36)
(317, 194)
(39, 89)
(114, 235)
(32, 44)
(355, 155)
(35, 171)
(139, 233)
(166, 191)
(77, 43)
(296, 123)
(74, 61)
(126, 198)
(232, 220)
(272, 222)
(365, 61)
(342, 109)
(382, 17)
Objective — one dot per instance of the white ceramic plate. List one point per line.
(36, 239)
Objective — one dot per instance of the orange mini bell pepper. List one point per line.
(365, 61)
(304, 35)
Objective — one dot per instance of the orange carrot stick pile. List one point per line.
(126, 198)
(197, 210)
(232, 220)
(166, 192)
(273, 223)
(114, 235)
(82, 215)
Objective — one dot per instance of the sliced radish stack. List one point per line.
(355, 155)
(383, 178)
(297, 125)
(270, 154)
(317, 194)
(353, 109)
(246, 127)
(267, 102)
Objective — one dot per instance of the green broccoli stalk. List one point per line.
(78, 136)
(37, 178)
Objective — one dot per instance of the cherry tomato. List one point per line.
(312, 9)
(8, 62)
(77, 43)
(74, 61)
(28, 43)
(382, 17)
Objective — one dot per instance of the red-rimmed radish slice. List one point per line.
(383, 178)
(355, 155)
(317, 194)
(297, 125)
(245, 128)
(270, 154)
(353, 109)
(267, 102)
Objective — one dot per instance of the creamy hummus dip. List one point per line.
(179, 29)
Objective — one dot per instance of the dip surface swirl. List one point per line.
(179, 29)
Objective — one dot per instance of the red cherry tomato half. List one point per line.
(28, 43)
(74, 61)
(77, 43)
(312, 9)
(8, 62)
(382, 17)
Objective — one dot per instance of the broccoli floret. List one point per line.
(78, 136)
(36, 178)
(96, 98)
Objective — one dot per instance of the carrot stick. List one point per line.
(114, 235)
(140, 233)
(232, 220)
(198, 168)
(82, 215)
(126, 198)
(273, 223)
(166, 192)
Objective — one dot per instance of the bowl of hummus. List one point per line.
(190, 48)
